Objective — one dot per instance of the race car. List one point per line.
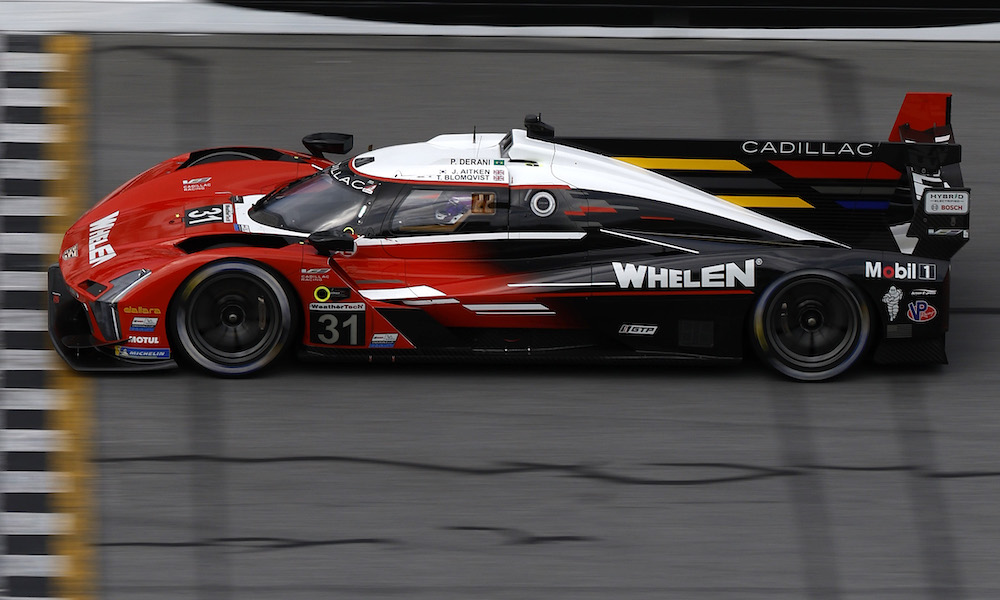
(525, 246)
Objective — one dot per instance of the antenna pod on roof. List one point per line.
(537, 129)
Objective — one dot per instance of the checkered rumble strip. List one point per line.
(43, 426)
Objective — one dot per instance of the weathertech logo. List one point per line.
(723, 276)
(902, 272)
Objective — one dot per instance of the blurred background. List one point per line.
(463, 481)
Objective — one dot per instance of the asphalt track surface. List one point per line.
(479, 481)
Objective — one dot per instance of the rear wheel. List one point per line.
(811, 325)
(233, 318)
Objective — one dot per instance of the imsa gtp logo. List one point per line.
(630, 329)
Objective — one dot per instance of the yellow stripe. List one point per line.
(75, 418)
(685, 164)
(768, 201)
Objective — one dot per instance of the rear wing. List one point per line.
(905, 194)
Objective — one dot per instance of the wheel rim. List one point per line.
(234, 319)
(814, 325)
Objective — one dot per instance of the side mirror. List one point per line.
(331, 240)
(333, 143)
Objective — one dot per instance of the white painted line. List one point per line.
(22, 168)
(190, 17)
(30, 206)
(32, 62)
(34, 482)
(32, 97)
(23, 319)
(32, 440)
(21, 281)
(33, 399)
(41, 565)
(15, 523)
(27, 360)
(29, 243)
(32, 133)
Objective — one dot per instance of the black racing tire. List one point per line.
(233, 318)
(811, 325)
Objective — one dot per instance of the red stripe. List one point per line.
(656, 218)
(598, 209)
(574, 213)
(836, 169)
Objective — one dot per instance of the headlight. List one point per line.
(106, 306)
(122, 284)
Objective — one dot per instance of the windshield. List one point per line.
(329, 199)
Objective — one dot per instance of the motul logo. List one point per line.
(902, 272)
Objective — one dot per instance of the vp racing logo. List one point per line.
(919, 311)
(728, 275)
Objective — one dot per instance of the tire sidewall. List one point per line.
(180, 311)
(762, 343)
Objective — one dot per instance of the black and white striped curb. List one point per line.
(28, 522)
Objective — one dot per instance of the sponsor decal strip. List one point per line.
(685, 164)
(864, 204)
(406, 293)
(767, 201)
(837, 169)
(510, 309)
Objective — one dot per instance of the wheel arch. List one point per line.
(868, 326)
(294, 299)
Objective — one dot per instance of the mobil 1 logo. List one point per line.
(874, 269)
(337, 323)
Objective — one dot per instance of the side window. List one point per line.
(431, 211)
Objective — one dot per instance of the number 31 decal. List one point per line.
(337, 327)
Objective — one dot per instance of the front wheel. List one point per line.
(811, 325)
(233, 318)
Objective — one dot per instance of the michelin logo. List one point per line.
(721, 276)
(129, 352)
